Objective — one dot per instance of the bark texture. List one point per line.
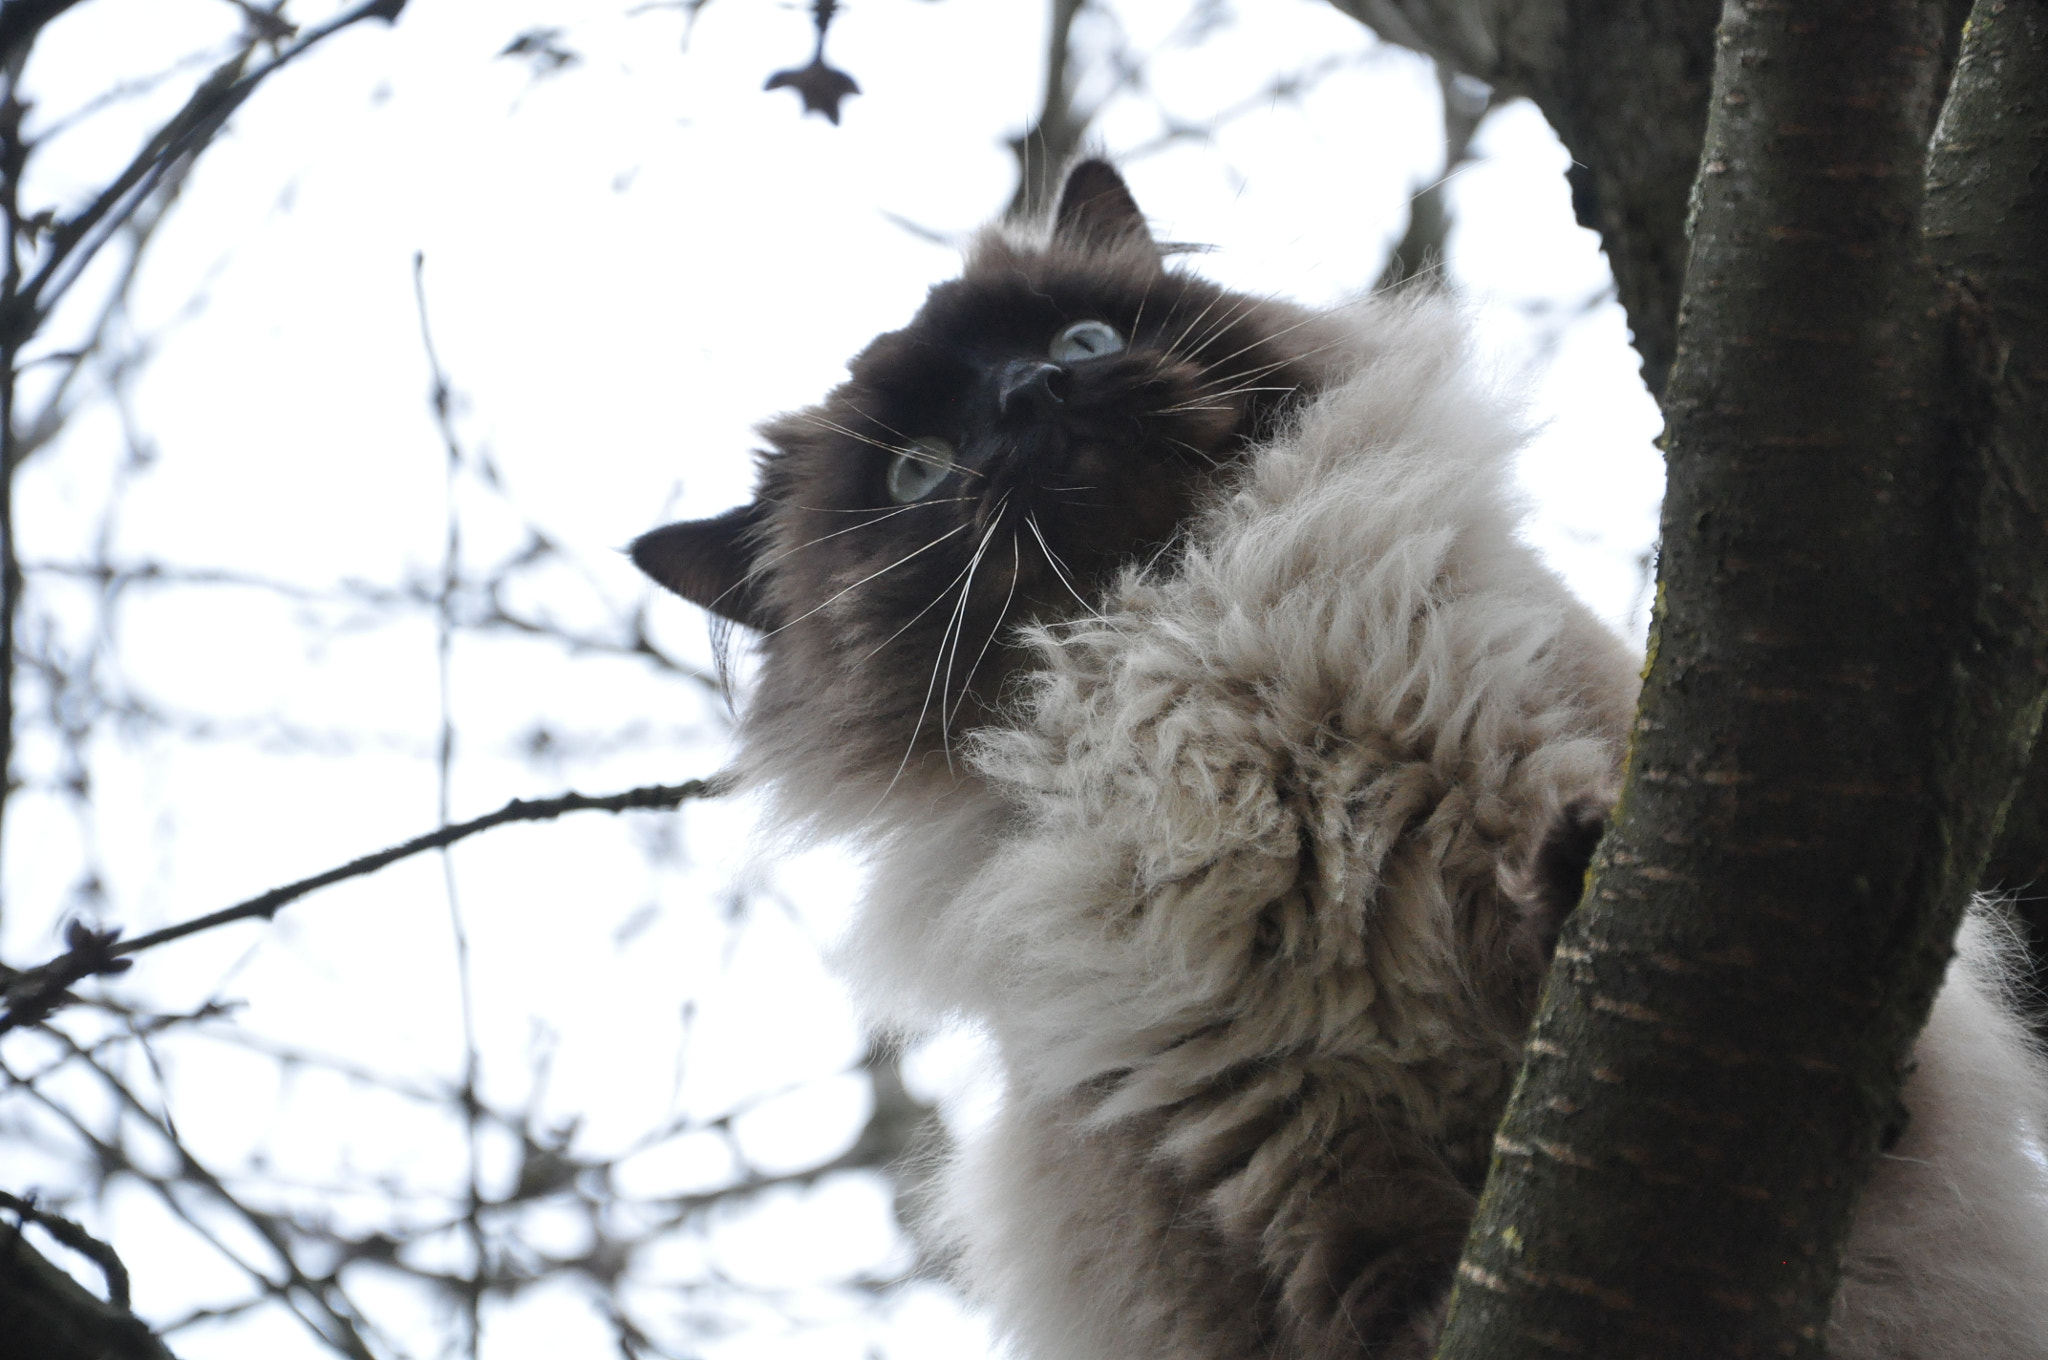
(47, 1315)
(1625, 86)
(1845, 679)
(1987, 228)
(2018, 871)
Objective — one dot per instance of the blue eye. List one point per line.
(1085, 340)
(918, 468)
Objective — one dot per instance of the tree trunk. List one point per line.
(2018, 871)
(47, 1315)
(1987, 225)
(1625, 87)
(1846, 675)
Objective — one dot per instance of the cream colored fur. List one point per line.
(1949, 1253)
(1231, 898)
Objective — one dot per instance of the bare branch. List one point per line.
(1044, 148)
(51, 1316)
(21, 20)
(79, 1240)
(32, 993)
(72, 244)
(75, 241)
(1420, 252)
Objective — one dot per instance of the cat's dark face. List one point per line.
(1048, 417)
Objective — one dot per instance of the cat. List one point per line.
(1222, 753)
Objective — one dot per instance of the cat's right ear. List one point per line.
(711, 562)
(1097, 211)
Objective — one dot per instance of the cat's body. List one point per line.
(1245, 866)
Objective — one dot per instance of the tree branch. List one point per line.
(79, 1240)
(46, 1314)
(74, 241)
(1044, 149)
(69, 247)
(1625, 88)
(1420, 251)
(1721, 1042)
(21, 20)
(32, 993)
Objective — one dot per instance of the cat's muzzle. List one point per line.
(1030, 387)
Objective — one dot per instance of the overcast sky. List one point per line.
(628, 264)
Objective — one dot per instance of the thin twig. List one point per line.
(74, 241)
(34, 992)
(443, 402)
(79, 1240)
(320, 1303)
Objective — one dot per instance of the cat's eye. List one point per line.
(1085, 340)
(918, 468)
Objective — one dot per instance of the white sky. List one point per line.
(628, 265)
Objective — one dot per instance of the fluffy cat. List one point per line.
(1223, 754)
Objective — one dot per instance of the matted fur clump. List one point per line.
(1222, 752)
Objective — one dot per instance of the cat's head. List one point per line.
(1055, 413)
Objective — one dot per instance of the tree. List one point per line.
(1628, 90)
(1847, 663)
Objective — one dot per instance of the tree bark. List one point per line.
(1846, 675)
(46, 1314)
(2018, 871)
(1625, 87)
(1987, 227)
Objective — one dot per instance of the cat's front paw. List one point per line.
(1546, 888)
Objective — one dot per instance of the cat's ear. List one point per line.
(1096, 209)
(711, 562)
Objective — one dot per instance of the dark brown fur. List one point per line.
(886, 632)
(877, 623)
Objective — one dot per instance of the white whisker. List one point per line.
(1208, 458)
(910, 746)
(905, 450)
(1283, 331)
(1058, 568)
(1263, 369)
(1016, 569)
(865, 415)
(941, 594)
(865, 509)
(1217, 327)
(1139, 319)
(1240, 391)
(755, 570)
(867, 578)
(822, 423)
(1189, 329)
(957, 629)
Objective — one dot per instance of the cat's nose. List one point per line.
(1030, 385)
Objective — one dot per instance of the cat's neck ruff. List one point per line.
(1352, 618)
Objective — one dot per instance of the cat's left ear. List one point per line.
(711, 562)
(1097, 211)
